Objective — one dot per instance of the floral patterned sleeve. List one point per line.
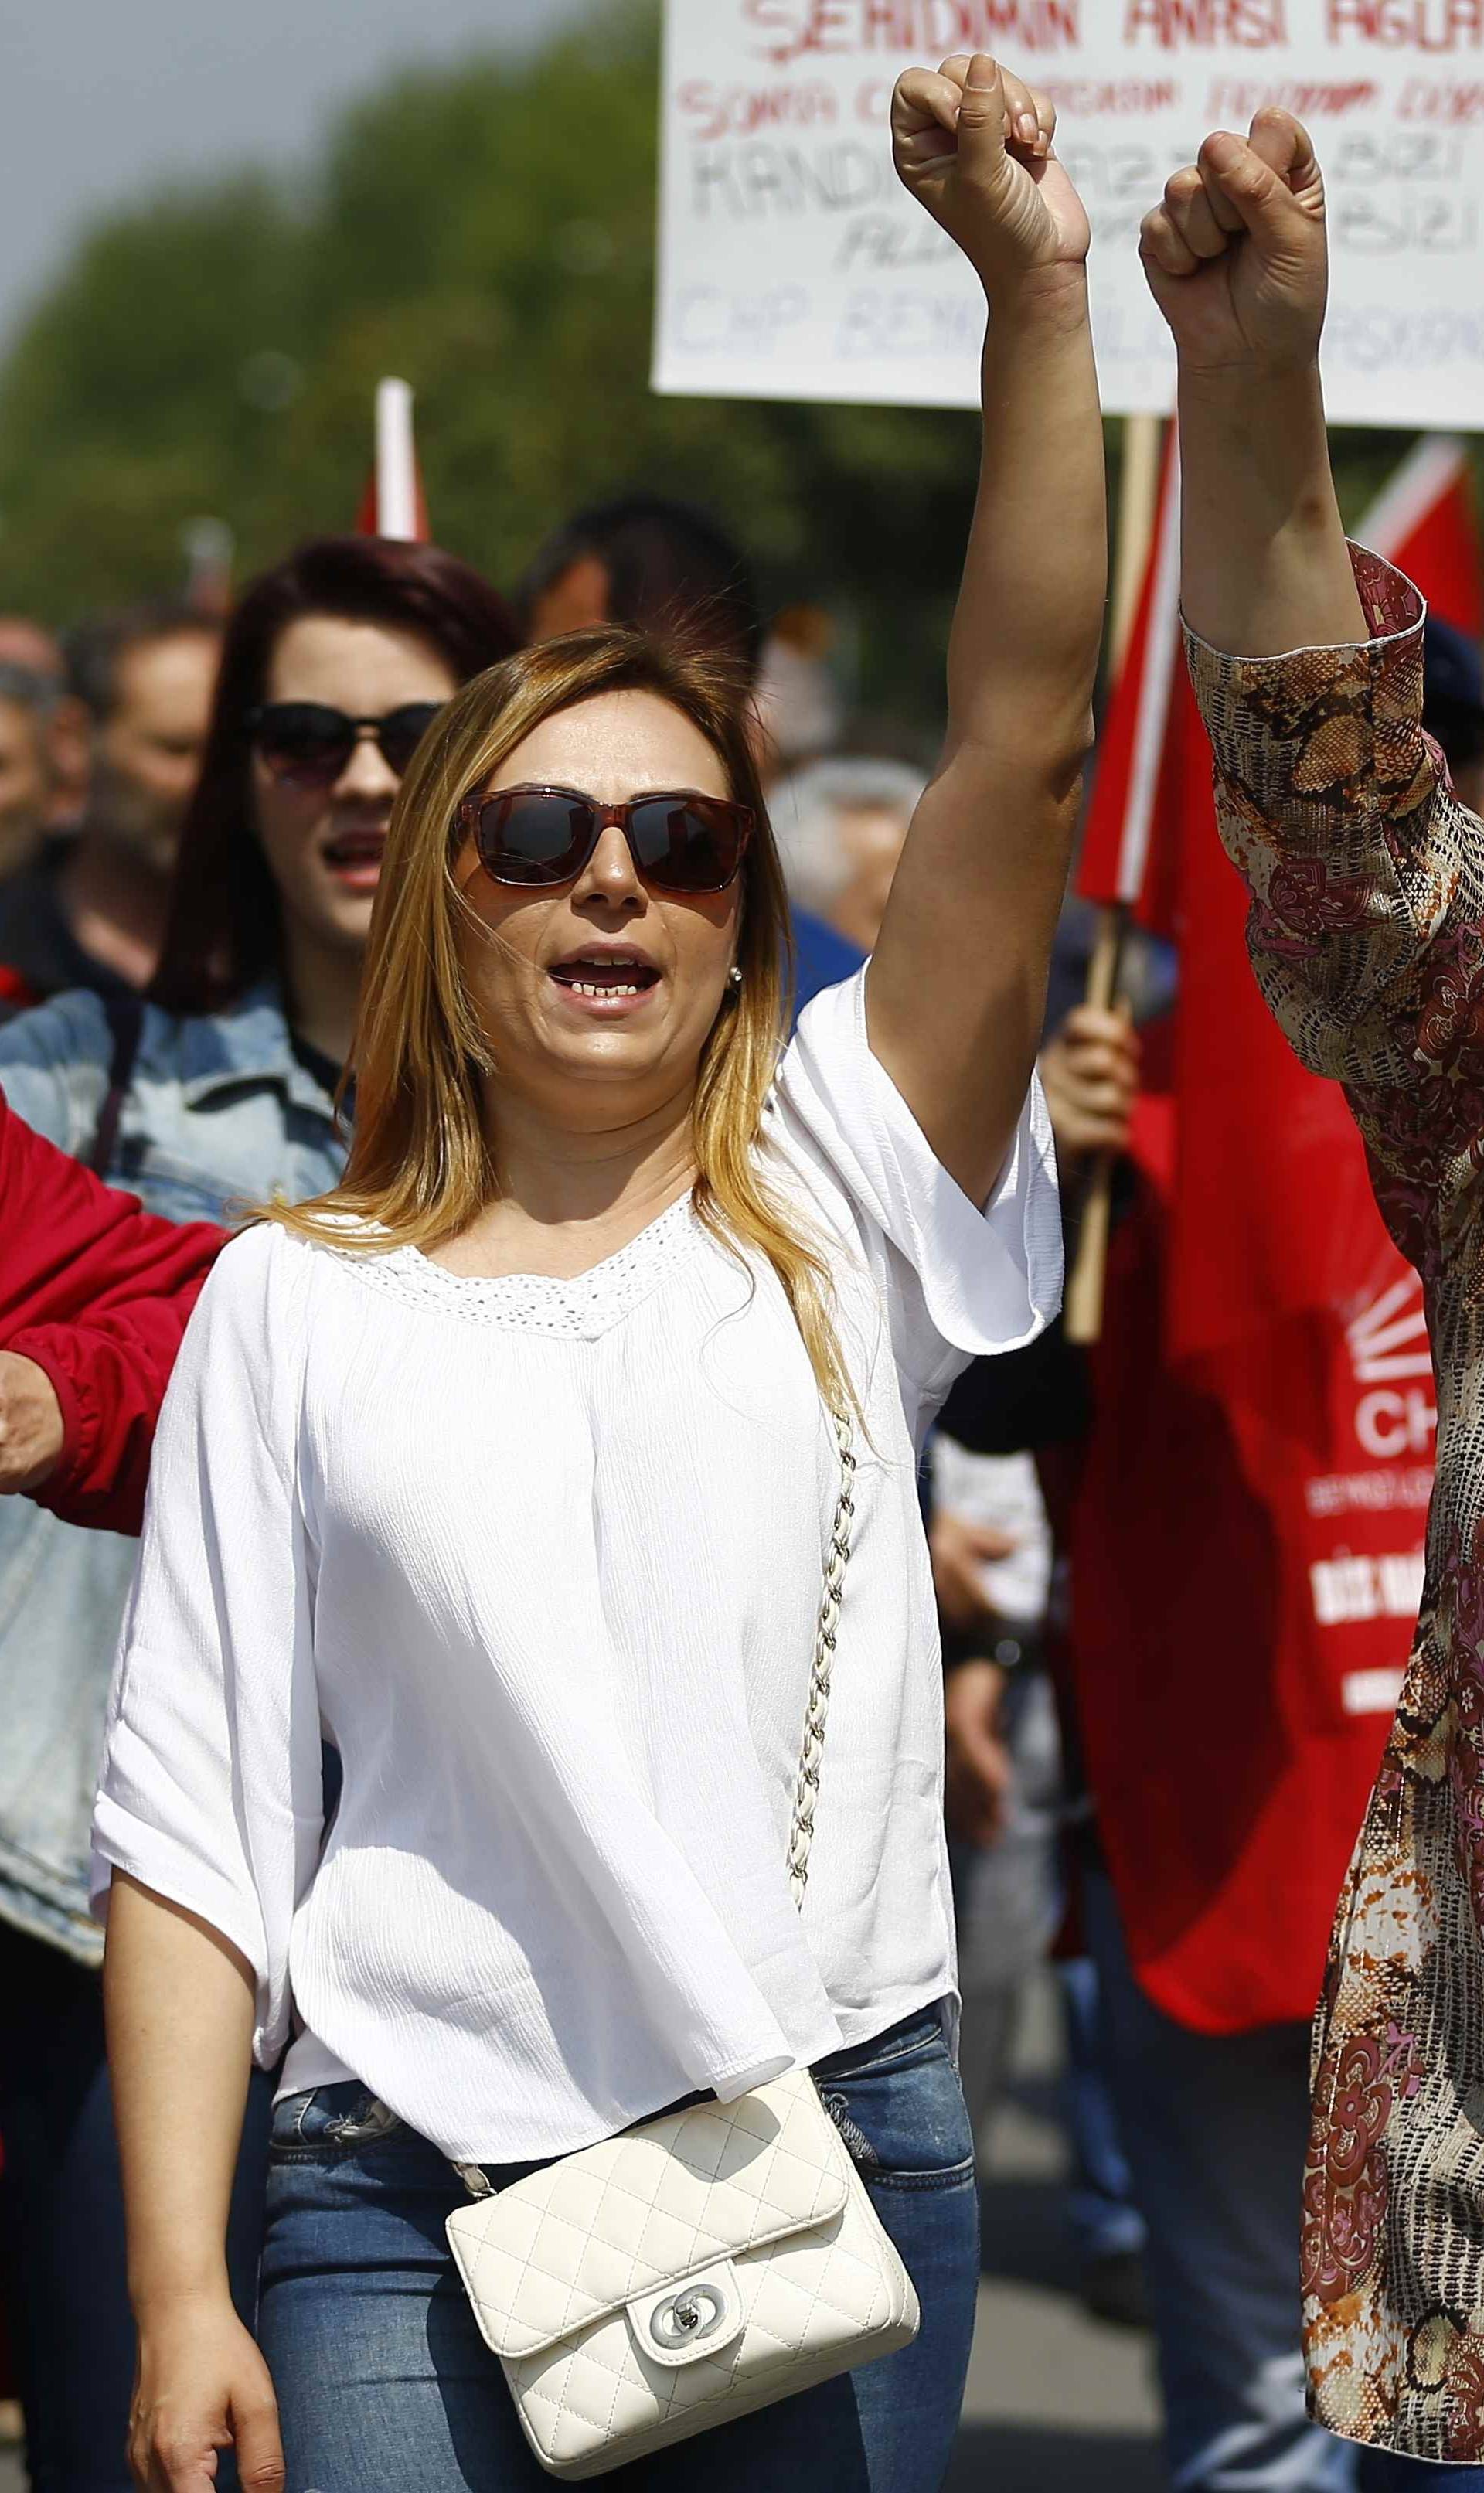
(1367, 879)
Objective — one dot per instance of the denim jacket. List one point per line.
(220, 1114)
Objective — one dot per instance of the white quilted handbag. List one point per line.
(703, 2265)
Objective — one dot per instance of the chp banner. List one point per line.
(793, 265)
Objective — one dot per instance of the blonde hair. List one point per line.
(419, 1169)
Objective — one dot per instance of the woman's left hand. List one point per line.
(973, 143)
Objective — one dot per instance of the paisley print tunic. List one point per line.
(1367, 936)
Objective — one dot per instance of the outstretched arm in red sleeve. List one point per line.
(94, 1298)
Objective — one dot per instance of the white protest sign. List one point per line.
(793, 265)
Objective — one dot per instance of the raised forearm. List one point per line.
(1236, 257)
(956, 991)
(1265, 565)
(975, 899)
(179, 2006)
(1023, 652)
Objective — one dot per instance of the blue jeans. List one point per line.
(1381, 2473)
(385, 2385)
(62, 2221)
(1214, 2127)
(1102, 2218)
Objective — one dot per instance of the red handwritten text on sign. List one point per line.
(1249, 24)
(793, 264)
(785, 31)
(1418, 26)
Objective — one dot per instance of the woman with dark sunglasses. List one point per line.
(217, 1091)
(511, 1466)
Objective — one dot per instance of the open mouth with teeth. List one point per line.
(597, 975)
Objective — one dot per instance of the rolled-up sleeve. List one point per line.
(1336, 809)
(211, 1792)
(959, 1279)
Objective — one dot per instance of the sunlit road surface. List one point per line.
(1055, 2399)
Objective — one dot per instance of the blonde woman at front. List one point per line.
(509, 1469)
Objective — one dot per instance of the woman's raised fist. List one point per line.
(973, 143)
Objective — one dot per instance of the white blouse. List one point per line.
(542, 1559)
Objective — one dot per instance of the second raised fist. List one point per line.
(1236, 253)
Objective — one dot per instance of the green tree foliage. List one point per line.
(486, 230)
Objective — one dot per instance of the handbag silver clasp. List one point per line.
(679, 2323)
(687, 2318)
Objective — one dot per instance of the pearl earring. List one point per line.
(734, 977)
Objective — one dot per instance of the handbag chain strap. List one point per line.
(806, 1789)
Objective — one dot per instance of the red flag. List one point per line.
(1246, 1556)
(394, 504)
(1269, 1142)
(1266, 1140)
(1125, 845)
(1426, 522)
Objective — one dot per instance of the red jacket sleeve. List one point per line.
(97, 1291)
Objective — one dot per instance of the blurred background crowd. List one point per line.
(193, 787)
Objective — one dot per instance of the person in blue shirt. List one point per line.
(821, 958)
(216, 1092)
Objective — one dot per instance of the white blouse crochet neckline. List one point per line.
(547, 1582)
(580, 1307)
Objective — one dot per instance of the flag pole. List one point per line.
(395, 461)
(1138, 506)
(393, 504)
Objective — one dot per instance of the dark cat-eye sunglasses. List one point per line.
(309, 743)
